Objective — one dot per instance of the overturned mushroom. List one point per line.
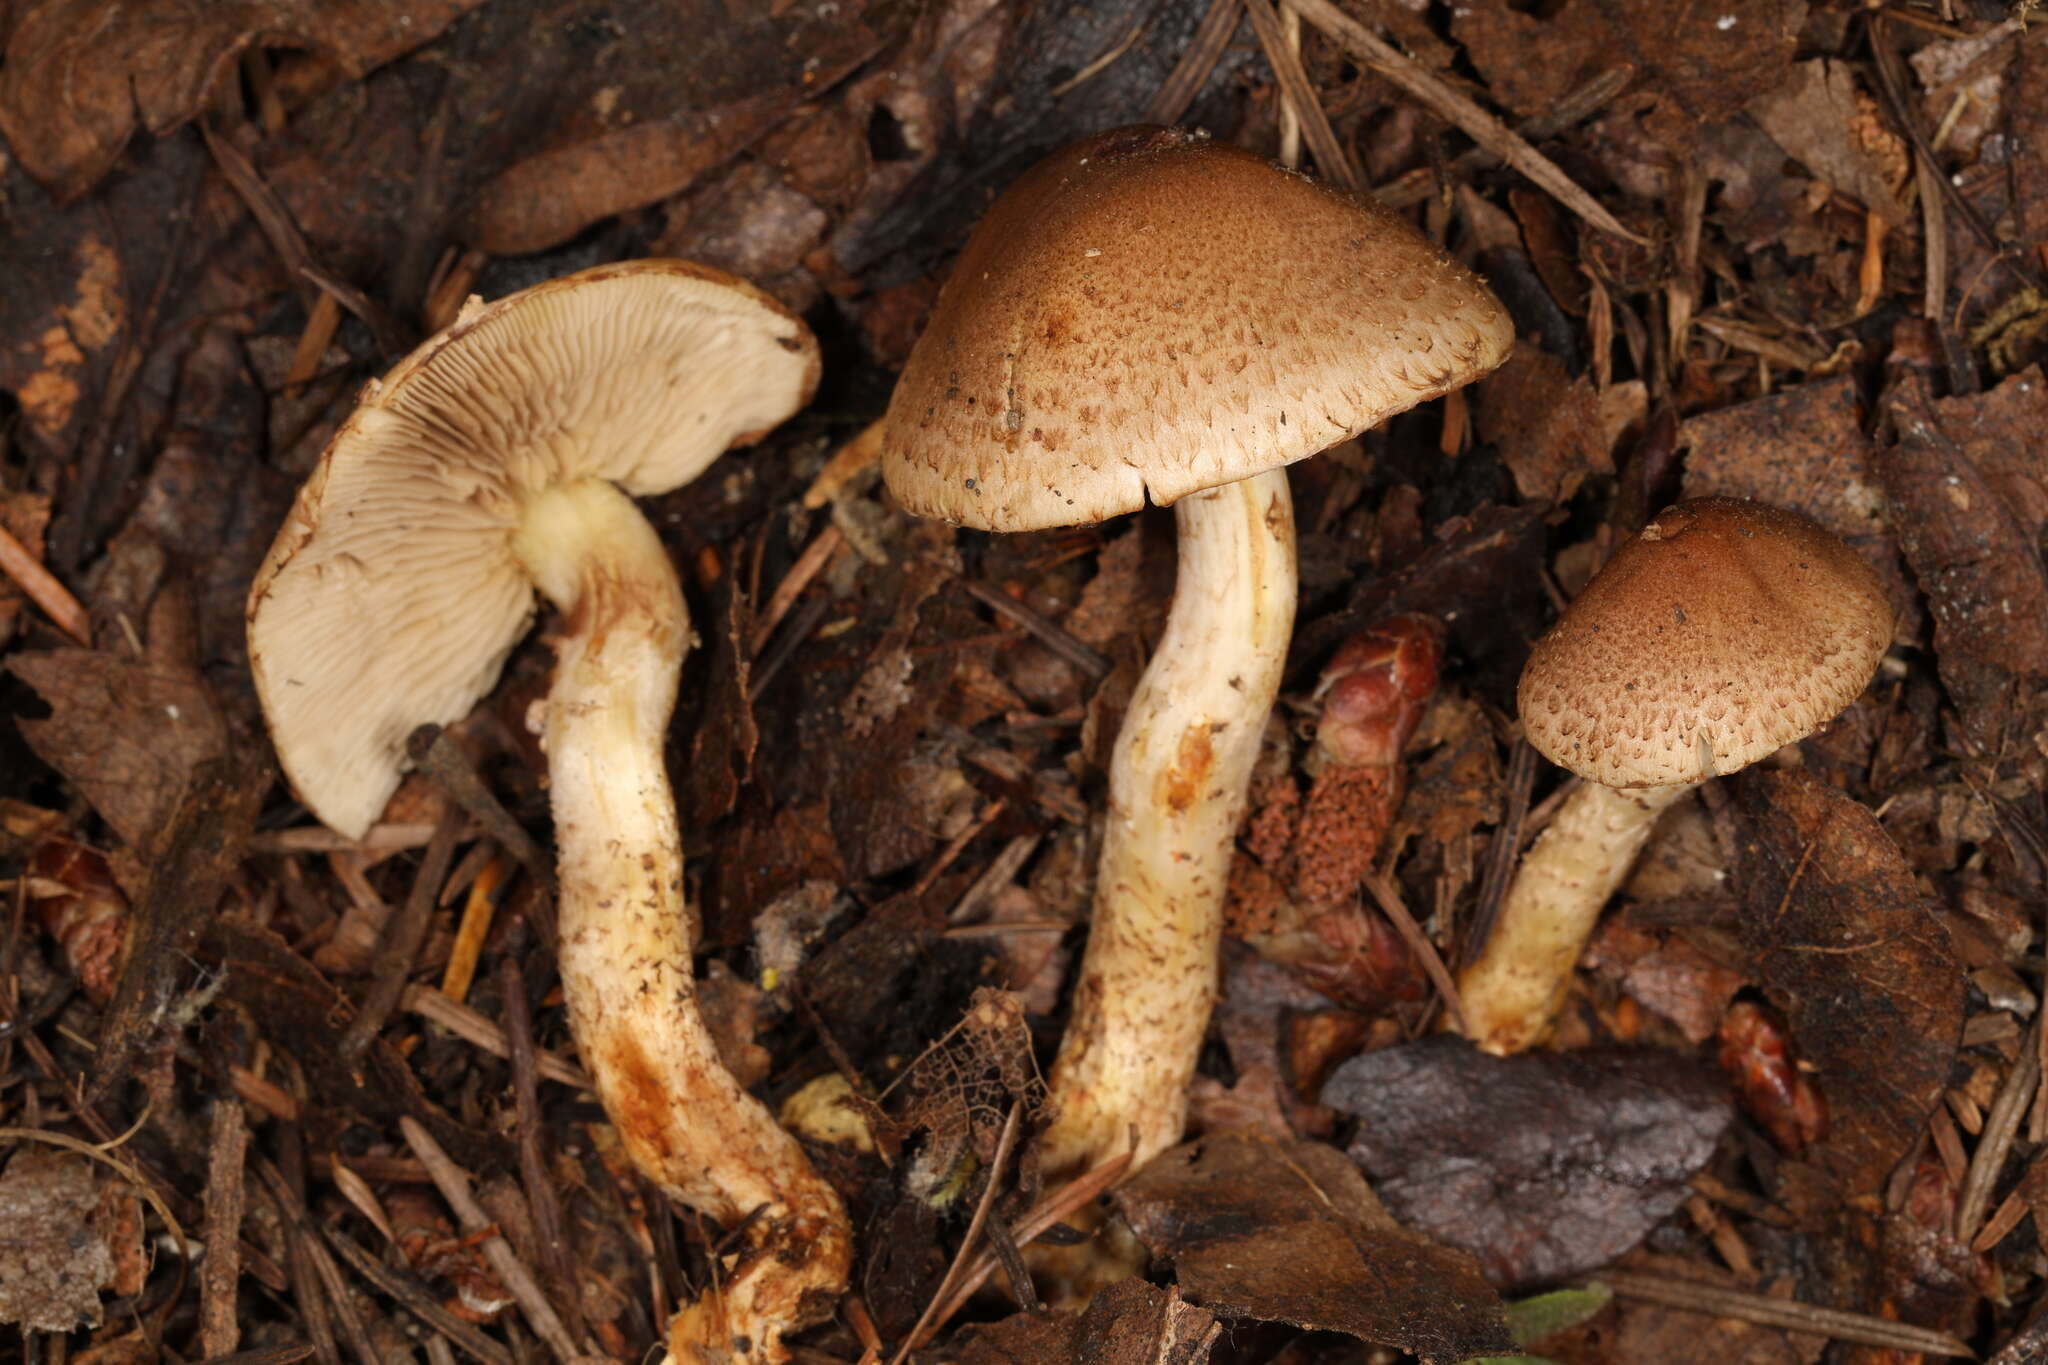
(1150, 313)
(1724, 631)
(501, 456)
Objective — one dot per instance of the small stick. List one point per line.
(815, 557)
(957, 845)
(479, 911)
(1299, 96)
(43, 589)
(1448, 103)
(2001, 1126)
(1191, 73)
(442, 759)
(220, 1273)
(1004, 1145)
(550, 1240)
(403, 936)
(847, 464)
(392, 837)
(318, 1264)
(1789, 1314)
(465, 1023)
(414, 1296)
(1047, 1212)
(1390, 903)
(1048, 634)
(454, 1186)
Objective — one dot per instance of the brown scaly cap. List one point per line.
(1725, 630)
(391, 595)
(1151, 311)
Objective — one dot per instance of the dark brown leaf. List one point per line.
(1802, 448)
(1541, 1165)
(1129, 1323)
(1823, 120)
(56, 1254)
(80, 76)
(129, 732)
(1848, 945)
(1291, 1233)
(1545, 423)
(1975, 554)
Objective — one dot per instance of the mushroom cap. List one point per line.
(1722, 632)
(391, 595)
(1152, 311)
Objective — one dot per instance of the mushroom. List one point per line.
(1724, 631)
(501, 456)
(1149, 312)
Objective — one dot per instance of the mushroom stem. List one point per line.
(1176, 794)
(1513, 989)
(627, 934)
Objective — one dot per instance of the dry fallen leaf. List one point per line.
(58, 1251)
(80, 76)
(1847, 943)
(1289, 1232)
(1542, 1165)
(127, 732)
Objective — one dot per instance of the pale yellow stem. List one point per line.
(1176, 794)
(627, 934)
(1514, 988)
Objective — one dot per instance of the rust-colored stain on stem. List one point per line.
(1182, 784)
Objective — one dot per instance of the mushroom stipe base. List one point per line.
(1177, 788)
(627, 934)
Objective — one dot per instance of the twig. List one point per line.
(443, 760)
(808, 565)
(1048, 634)
(1788, 1314)
(550, 1240)
(1047, 1212)
(1396, 910)
(416, 1300)
(315, 1276)
(403, 936)
(479, 913)
(1300, 96)
(1891, 87)
(845, 465)
(1505, 852)
(1578, 104)
(1004, 1146)
(43, 589)
(800, 627)
(511, 1271)
(995, 876)
(2001, 1125)
(220, 1274)
(465, 1023)
(1191, 73)
(955, 846)
(1100, 64)
(273, 1355)
(1432, 93)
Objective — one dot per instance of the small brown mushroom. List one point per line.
(1151, 313)
(1724, 631)
(499, 457)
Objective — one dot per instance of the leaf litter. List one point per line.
(1794, 1094)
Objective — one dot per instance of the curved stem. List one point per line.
(1512, 990)
(1176, 795)
(627, 934)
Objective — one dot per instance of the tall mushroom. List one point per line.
(501, 456)
(1151, 313)
(1724, 631)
